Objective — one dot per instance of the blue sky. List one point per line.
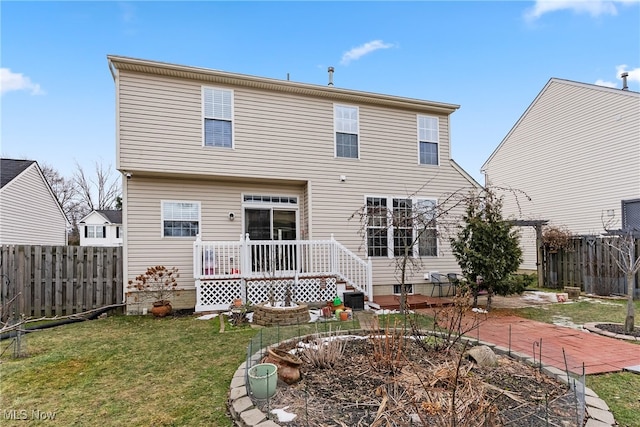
(491, 58)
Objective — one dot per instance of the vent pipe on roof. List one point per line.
(330, 76)
(624, 80)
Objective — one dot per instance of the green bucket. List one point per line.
(263, 379)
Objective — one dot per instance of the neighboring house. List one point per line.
(209, 156)
(30, 213)
(101, 228)
(576, 153)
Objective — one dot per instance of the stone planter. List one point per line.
(266, 315)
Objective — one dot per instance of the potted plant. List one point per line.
(158, 284)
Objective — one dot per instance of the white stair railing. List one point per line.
(255, 259)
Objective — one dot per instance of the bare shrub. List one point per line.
(387, 355)
(323, 353)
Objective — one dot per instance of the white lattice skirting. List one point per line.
(219, 294)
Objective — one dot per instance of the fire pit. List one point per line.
(264, 314)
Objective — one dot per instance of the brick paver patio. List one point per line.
(599, 354)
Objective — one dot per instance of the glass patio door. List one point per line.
(276, 225)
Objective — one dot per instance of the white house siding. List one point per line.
(277, 136)
(29, 214)
(575, 153)
(112, 238)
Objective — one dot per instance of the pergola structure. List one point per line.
(537, 224)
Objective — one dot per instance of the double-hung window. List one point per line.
(377, 238)
(346, 128)
(94, 232)
(428, 140)
(402, 227)
(426, 227)
(180, 219)
(217, 110)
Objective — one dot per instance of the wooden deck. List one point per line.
(415, 301)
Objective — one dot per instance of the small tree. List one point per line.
(623, 245)
(487, 247)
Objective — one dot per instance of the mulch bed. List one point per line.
(618, 329)
(403, 382)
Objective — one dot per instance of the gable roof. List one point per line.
(554, 81)
(222, 77)
(10, 168)
(114, 216)
(111, 215)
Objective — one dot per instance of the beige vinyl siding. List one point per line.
(147, 246)
(161, 130)
(283, 144)
(575, 153)
(29, 215)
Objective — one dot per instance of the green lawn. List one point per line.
(589, 310)
(126, 370)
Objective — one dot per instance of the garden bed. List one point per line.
(401, 382)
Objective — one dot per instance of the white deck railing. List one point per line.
(263, 259)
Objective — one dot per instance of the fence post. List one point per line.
(370, 279)
(197, 259)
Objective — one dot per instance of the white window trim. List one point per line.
(162, 202)
(272, 206)
(418, 140)
(391, 229)
(233, 117)
(335, 131)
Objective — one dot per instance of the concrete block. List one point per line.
(242, 404)
(253, 417)
(600, 415)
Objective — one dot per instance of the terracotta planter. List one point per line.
(161, 308)
(288, 365)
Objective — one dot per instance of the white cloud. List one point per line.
(128, 11)
(605, 83)
(634, 76)
(10, 81)
(592, 7)
(360, 51)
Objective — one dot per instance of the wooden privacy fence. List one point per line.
(588, 263)
(60, 280)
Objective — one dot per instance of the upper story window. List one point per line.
(217, 110)
(428, 140)
(346, 126)
(180, 219)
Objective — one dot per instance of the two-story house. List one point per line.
(575, 152)
(101, 227)
(30, 213)
(240, 181)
